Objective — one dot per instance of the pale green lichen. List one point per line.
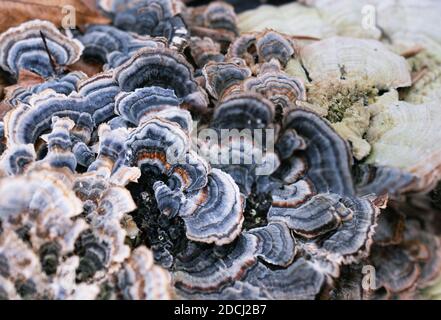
(344, 104)
(382, 123)
(433, 292)
(337, 97)
(353, 126)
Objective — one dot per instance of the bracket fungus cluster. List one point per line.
(220, 156)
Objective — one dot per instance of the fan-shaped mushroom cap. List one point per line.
(222, 78)
(317, 216)
(16, 159)
(302, 280)
(157, 143)
(144, 102)
(112, 150)
(141, 16)
(216, 20)
(215, 212)
(189, 175)
(161, 67)
(60, 144)
(99, 91)
(23, 47)
(204, 50)
(326, 154)
(381, 180)
(276, 245)
(200, 270)
(353, 239)
(243, 111)
(277, 87)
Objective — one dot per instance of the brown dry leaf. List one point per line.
(25, 79)
(88, 67)
(15, 12)
(28, 78)
(4, 108)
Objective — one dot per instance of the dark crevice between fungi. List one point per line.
(435, 196)
(106, 290)
(306, 73)
(165, 236)
(256, 210)
(49, 257)
(23, 234)
(26, 289)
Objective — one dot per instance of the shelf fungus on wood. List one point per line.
(184, 151)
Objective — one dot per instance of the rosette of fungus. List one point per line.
(39, 47)
(323, 198)
(163, 147)
(316, 202)
(246, 276)
(102, 175)
(213, 213)
(405, 255)
(156, 143)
